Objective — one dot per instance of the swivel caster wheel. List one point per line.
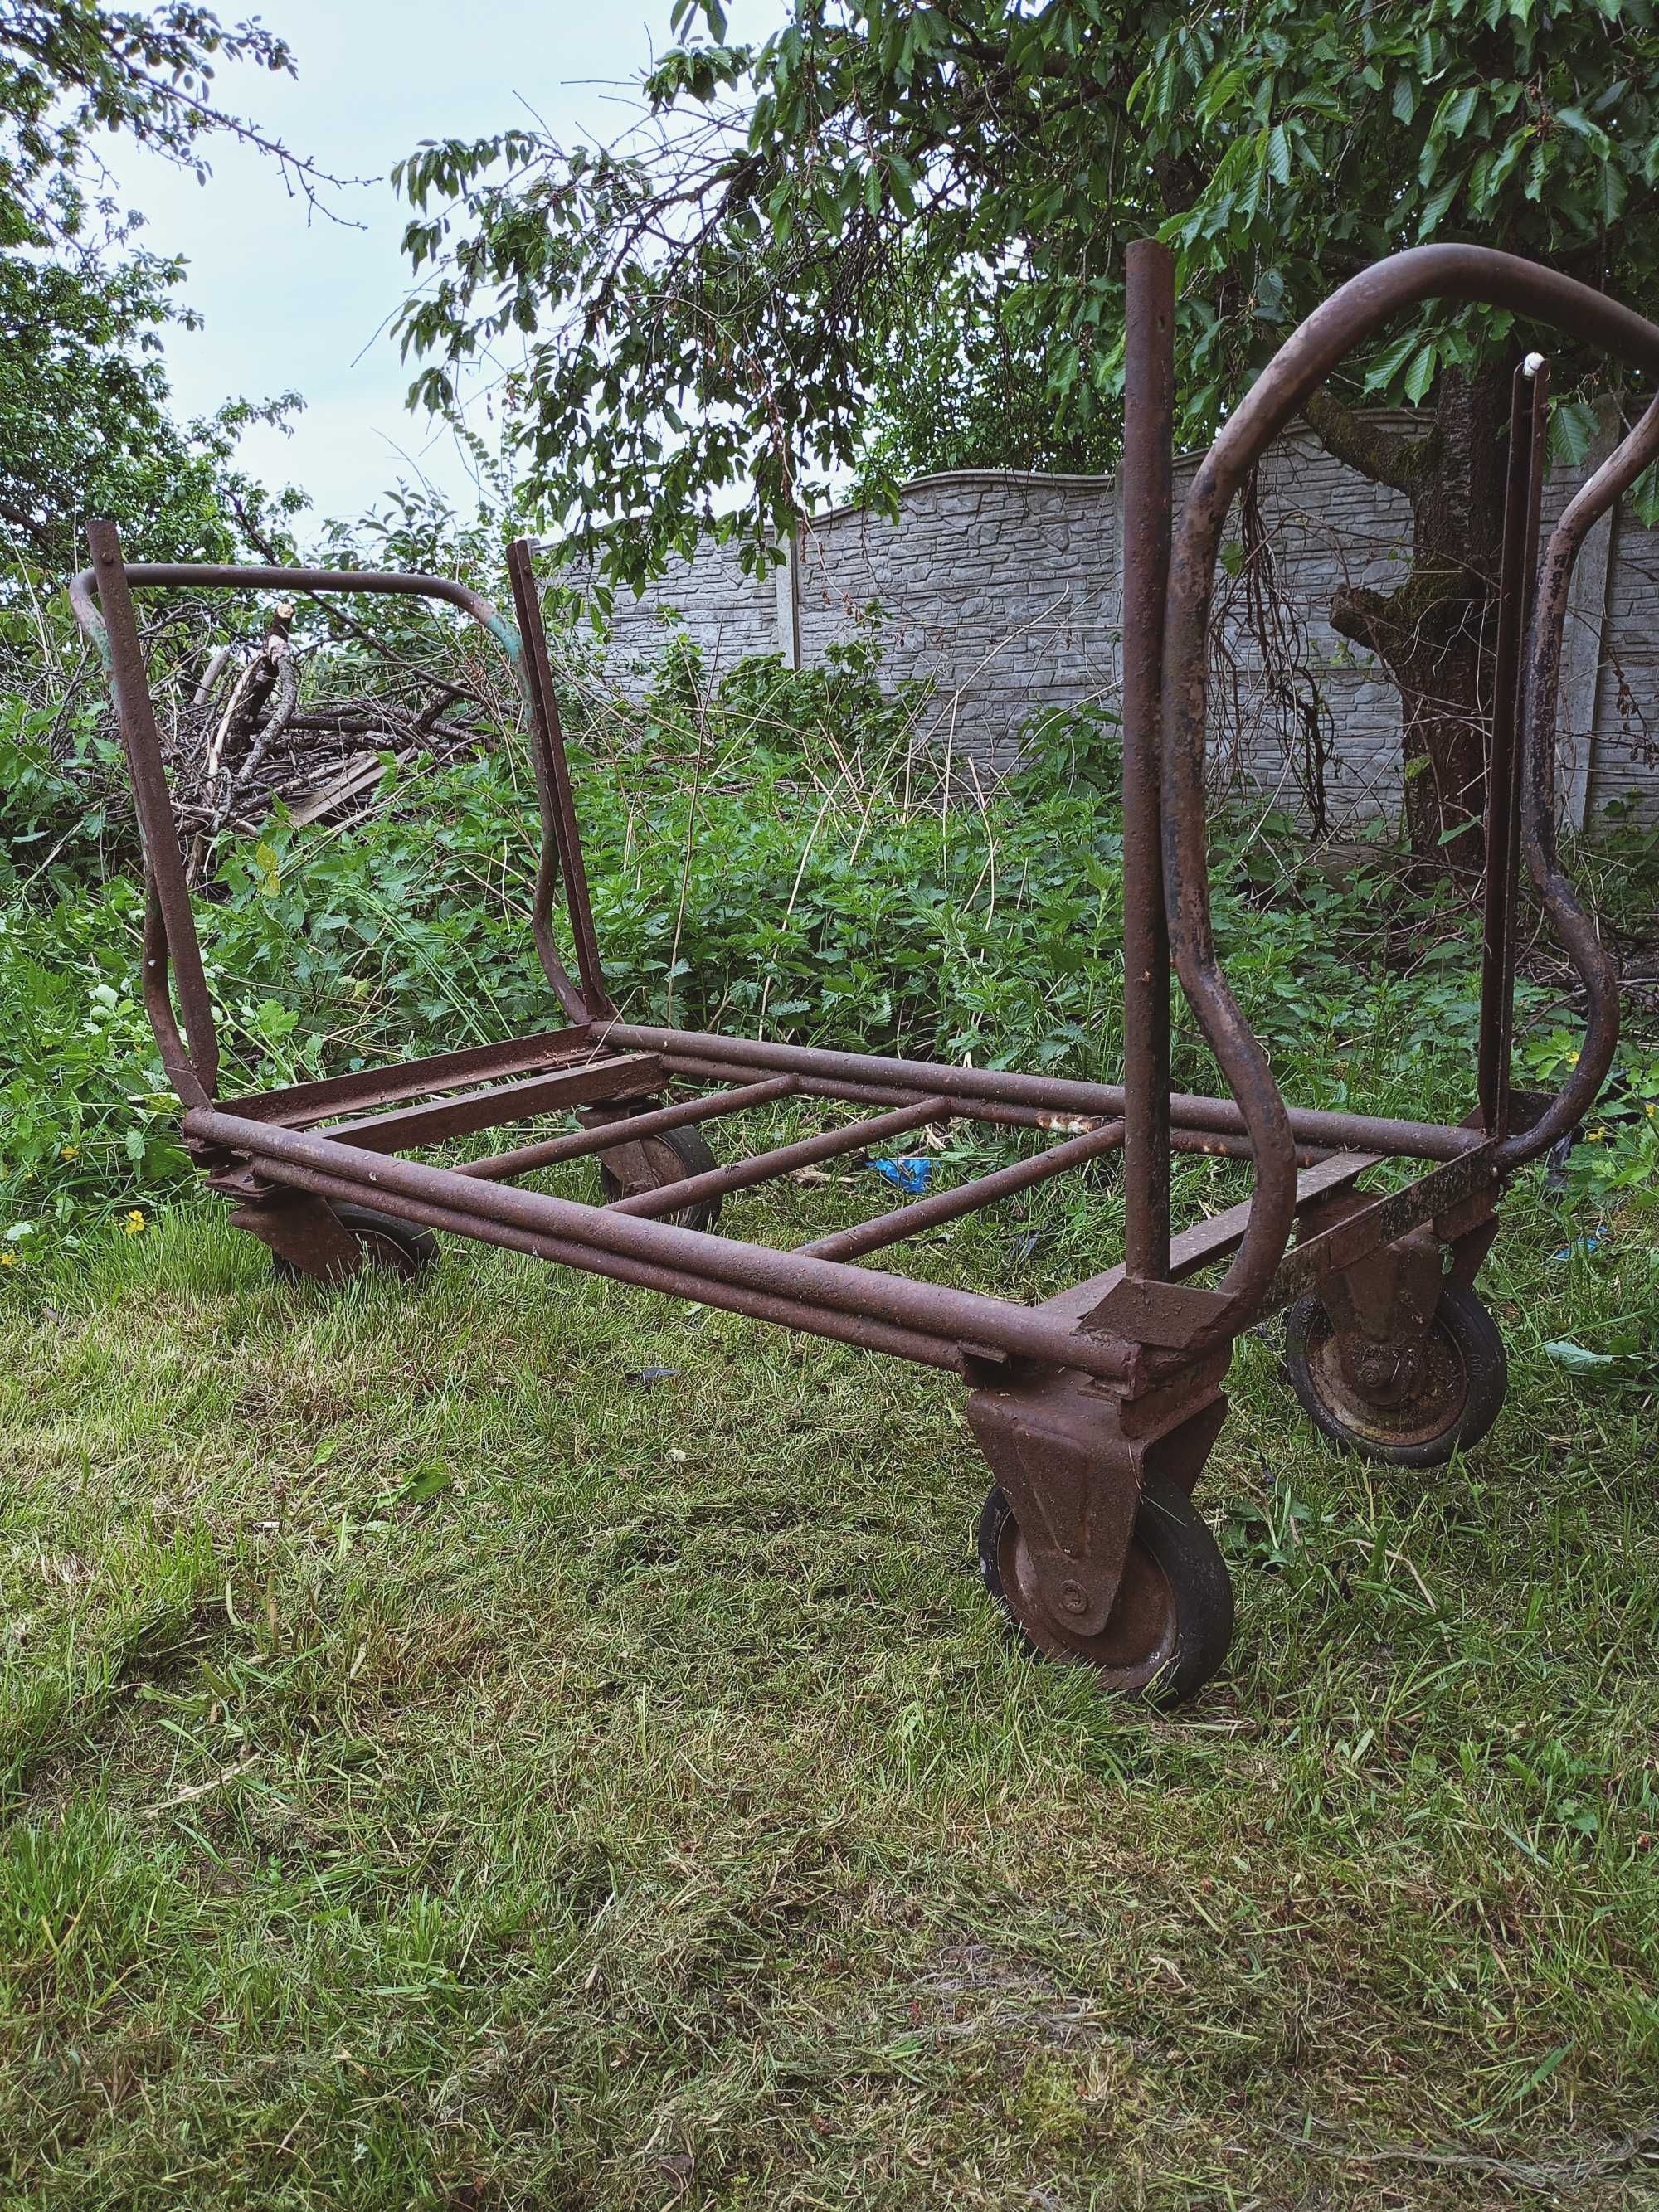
(651, 1162)
(394, 1247)
(1172, 1623)
(1456, 1396)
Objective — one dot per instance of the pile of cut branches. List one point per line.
(262, 729)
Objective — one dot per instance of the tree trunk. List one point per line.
(1435, 632)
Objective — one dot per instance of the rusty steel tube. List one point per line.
(1422, 1140)
(1524, 473)
(1147, 478)
(1301, 364)
(999, 1114)
(859, 1329)
(598, 1235)
(1573, 927)
(233, 576)
(561, 843)
(100, 598)
(762, 1167)
(170, 939)
(883, 1094)
(583, 1143)
(905, 1221)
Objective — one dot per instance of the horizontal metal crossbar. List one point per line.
(595, 1236)
(630, 1130)
(869, 1332)
(851, 1093)
(743, 1175)
(1423, 1141)
(996, 1113)
(968, 1197)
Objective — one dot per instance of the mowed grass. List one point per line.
(444, 1764)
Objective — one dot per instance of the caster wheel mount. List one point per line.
(1172, 1623)
(1462, 1377)
(389, 1245)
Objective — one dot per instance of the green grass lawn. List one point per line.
(441, 1768)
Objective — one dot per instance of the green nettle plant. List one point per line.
(887, 220)
(765, 853)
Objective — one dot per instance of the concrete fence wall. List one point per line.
(1004, 591)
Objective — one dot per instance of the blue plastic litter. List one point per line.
(909, 1174)
(1585, 1244)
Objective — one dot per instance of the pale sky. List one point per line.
(292, 302)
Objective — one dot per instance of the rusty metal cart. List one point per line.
(1097, 1409)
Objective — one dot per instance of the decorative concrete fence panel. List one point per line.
(1002, 591)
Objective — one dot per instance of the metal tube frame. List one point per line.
(1349, 316)
(1149, 1343)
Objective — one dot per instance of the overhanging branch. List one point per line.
(1384, 456)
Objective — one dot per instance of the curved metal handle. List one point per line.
(1301, 364)
(1575, 932)
(229, 576)
(100, 597)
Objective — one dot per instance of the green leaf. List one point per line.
(1421, 375)
(1452, 118)
(1566, 1353)
(1572, 431)
(1389, 364)
(1435, 206)
(429, 1482)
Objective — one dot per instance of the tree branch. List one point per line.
(37, 532)
(1383, 456)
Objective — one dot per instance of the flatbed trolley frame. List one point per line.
(1096, 1409)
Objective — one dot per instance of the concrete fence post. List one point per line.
(1581, 646)
(788, 580)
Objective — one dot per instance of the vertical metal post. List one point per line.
(1148, 445)
(559, 824)
(1528, 416)
(169, 925)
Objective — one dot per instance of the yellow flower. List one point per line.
(134, 1224)
(71, 1151)
(1596, 1135)
(8, 1259)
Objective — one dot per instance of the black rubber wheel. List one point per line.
(675, 1153)
(1171, 1625)
(399, 1247)
(1460, 1391)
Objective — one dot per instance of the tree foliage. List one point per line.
(85, 425)
(713, 302)
(71, 70)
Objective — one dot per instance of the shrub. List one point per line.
(765, 855)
